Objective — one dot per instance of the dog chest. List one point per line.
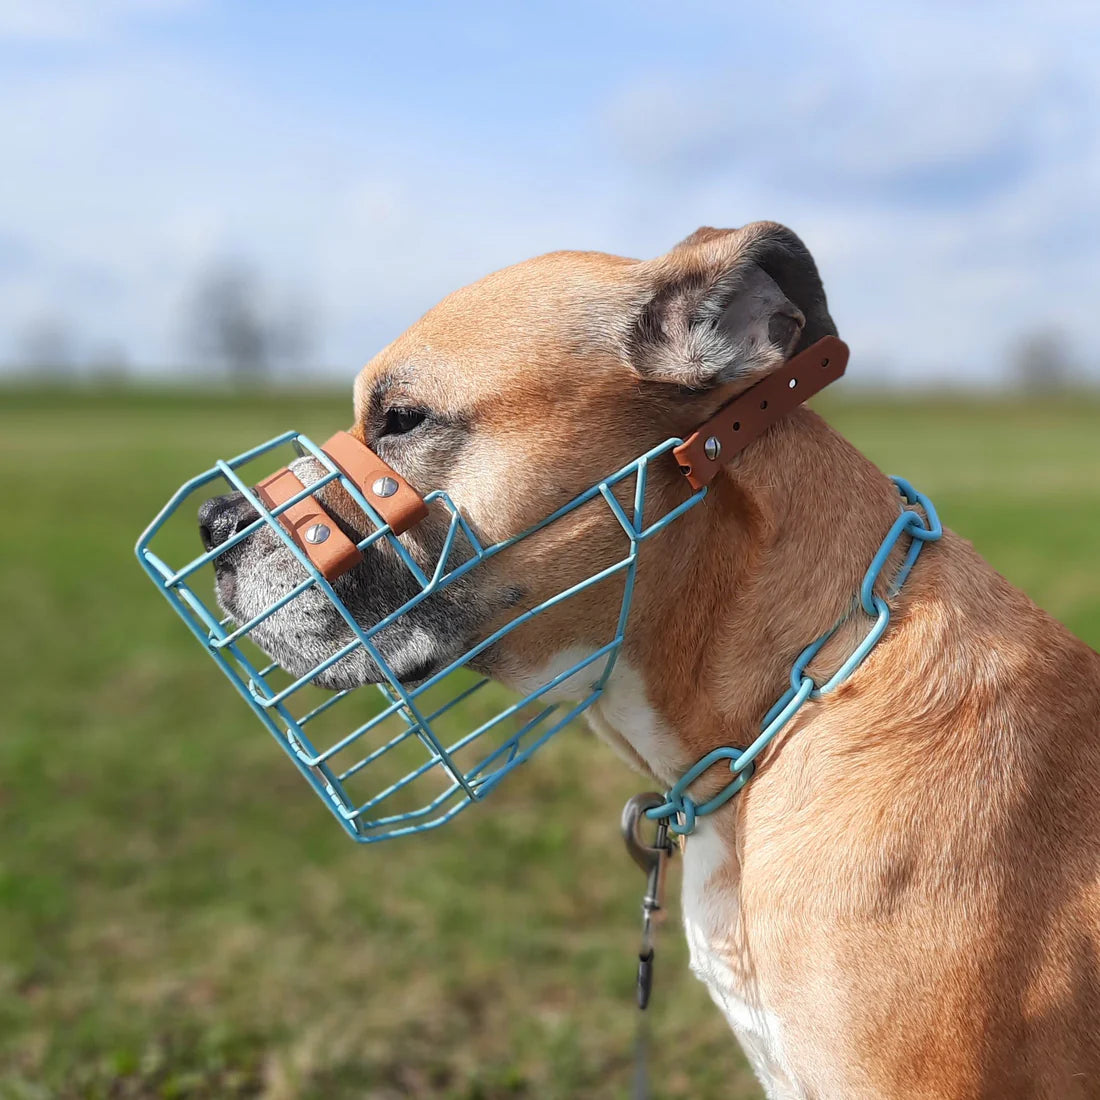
(719, 958)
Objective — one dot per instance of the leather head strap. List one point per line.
(700, 456)
(748, 416)
(313, 529)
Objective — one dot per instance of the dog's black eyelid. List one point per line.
(400, 421)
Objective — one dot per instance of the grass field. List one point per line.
(180, 917)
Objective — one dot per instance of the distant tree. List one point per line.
(109, 364)
(231, 323)
(292, 331)
(225, 323)
(47, 347)
(1041, 361)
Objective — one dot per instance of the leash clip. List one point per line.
(653, 860)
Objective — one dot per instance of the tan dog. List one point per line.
(905, 900)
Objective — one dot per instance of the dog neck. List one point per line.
(774, 555)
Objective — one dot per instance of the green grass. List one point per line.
(180, 917)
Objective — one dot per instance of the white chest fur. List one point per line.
(623, 716)
(722, 961)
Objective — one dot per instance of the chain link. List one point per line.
(679, 808)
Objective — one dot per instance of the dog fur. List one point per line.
(905, 900)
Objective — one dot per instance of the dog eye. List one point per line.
(399, 421)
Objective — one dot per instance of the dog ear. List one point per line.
(727, 305)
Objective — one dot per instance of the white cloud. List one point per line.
(149, 170)
(75, 20)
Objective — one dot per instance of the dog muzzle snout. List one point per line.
(335, 612)
(221, 517)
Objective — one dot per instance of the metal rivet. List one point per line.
(792, 383)
(712, 448)
(317, 533)
(384, 487)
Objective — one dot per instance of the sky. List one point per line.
(941, 161)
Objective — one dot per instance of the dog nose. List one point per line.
(222, 517)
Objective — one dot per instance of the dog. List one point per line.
(904, 902)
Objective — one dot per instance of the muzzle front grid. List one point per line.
(399, 765)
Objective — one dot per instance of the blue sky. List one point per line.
(941, 160)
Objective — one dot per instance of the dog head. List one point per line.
(514, 395)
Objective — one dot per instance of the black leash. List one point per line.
(640, 1090)
(653, 859)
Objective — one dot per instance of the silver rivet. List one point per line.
(384, 487)
(317, 533)
(712, 448)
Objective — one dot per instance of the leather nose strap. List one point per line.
(334, 554)
(313, 529)
(391, 496)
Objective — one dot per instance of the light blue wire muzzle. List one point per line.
(414, 755)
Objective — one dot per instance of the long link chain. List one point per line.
(679, 809)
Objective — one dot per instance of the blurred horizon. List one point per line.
(193, 190)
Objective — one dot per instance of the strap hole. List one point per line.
(792, 383)
(825, 361)
(737, 425)
(763, 404)
(685, 469)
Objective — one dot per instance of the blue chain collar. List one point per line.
(678, 803)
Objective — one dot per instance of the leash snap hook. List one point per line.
(653, 859)
(645, 855)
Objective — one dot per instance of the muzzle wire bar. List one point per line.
(460, 765)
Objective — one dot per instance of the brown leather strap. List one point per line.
(330, 550)
(335, 553)
(402, 508)
(748, 416)
(700, 456)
